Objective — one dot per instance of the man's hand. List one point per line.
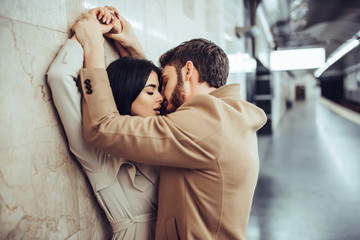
(88, 31)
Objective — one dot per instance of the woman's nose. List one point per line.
(159, 97)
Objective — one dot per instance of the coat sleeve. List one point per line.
(173, 140)
(67, 99)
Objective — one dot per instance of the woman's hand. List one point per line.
(124, 35)
(105, 16)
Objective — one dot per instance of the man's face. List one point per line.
(173, 89)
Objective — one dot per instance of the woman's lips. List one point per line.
(157, 110)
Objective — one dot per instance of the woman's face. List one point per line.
(148, 103)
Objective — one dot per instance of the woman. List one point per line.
(126, 191)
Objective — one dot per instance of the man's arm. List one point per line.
(173, 140)
(89, 30)
(88, 33)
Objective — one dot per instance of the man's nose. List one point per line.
(163, 91)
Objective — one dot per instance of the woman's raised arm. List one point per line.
(61, 78)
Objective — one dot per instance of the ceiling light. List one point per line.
(296, 59)
(338, 53)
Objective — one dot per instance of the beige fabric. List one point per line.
(126, 191)
(208, 150)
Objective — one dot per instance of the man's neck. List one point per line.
(202, 88)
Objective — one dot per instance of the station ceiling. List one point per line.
(312, 23)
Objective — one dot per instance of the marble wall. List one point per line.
(43, 192)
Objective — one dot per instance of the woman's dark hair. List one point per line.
(127, 78)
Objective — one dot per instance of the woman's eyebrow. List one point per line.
(150, 85)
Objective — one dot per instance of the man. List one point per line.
(206, 145)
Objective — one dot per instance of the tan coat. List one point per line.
(208, 150)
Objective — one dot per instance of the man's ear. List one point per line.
(189, 67)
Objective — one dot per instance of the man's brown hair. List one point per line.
(209, 59)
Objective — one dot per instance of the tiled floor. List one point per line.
(309, 182)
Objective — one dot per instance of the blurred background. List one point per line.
(296, 59)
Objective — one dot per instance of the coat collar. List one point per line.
(227, 90)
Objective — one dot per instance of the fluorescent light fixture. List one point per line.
(297, 59)
(337, 54)
(241, 63)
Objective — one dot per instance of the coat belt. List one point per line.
(126, 223)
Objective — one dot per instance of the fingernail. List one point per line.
(104, 20)
(108, 21)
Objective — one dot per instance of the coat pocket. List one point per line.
(171, 229)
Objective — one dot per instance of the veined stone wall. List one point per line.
(44, 193)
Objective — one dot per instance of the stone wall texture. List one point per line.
(44, 193)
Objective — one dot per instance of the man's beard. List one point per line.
(178, 95)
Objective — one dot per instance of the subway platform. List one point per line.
(309, 180)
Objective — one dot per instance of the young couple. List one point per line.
(202, 155)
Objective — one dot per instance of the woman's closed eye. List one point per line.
(150, 89)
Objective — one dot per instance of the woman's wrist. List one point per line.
(137, 51)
